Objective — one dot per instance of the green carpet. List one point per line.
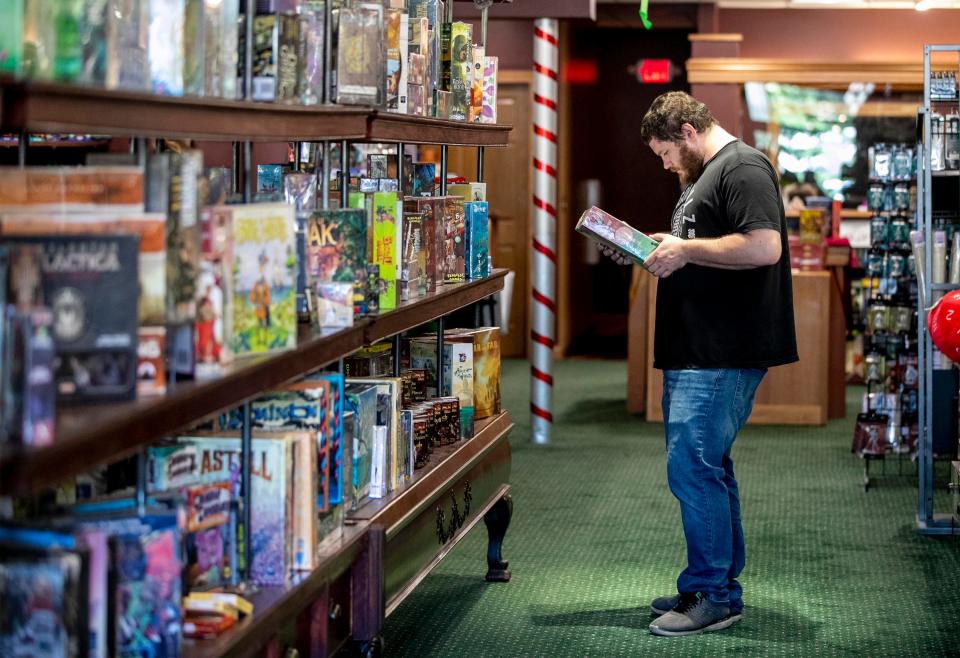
(831, 570)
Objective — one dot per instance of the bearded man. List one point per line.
(724, 316)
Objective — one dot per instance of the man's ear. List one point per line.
(688, 131)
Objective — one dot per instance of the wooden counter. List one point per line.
(808, 392)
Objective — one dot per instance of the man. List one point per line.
(724, 315)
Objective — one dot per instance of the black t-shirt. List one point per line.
(715, 318)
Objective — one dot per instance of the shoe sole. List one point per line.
(726, 622)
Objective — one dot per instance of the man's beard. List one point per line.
(691, 166)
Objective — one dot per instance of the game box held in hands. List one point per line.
(609, 231)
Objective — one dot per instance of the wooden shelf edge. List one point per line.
(250, 636)
(43, 107)
(392, 127)
(89, 436)
(396, 509)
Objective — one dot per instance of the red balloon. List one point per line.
(944, 323)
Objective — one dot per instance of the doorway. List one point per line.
(628, 180)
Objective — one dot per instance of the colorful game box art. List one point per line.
(220, 49)
(147, 581)
(288, 48)
(458, 382)
(425, 178)
(418, 69)
(451, 254)
(476, 232)
(457, 67)
(334, 304)
(165, 46)
(488, 112)
(214, 283)
(486, 367)
(359, 55)
(127, 39)
(416, 100)
(265, 56)
(385, 246)
(609, 231)
(148, 590)
(39, 588)
(426, 208)
(334, 433)
(476, 83)
(303, 406)
(208, 542)
(90, 284)
(312, 41)
(206, 460)
(413, 259)
(337, 245)
(264, 313)
(362, 401)
(394, 62)
(11, 39)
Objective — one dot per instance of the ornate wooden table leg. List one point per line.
(497, 521)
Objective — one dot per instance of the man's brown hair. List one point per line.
(669, 112)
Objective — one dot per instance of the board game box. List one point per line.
(602, 227)
(264, 313)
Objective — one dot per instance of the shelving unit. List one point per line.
(929, 521)
(388, 546)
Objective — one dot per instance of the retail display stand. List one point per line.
(937, 189)
(390, 544)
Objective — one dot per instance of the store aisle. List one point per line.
(596, 535)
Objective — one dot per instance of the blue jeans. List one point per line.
(702, 412)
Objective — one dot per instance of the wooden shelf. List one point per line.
(273, 607)
(37, 107)
(446, 464)
(58, 144)
(90, 435)
(389, 127)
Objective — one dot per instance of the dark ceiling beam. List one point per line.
(664, 16)
(527, 9)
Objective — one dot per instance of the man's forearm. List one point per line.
(737, 251)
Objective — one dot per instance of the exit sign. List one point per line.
(653, 71)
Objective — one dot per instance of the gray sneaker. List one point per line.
(664, 604)
(694, 614)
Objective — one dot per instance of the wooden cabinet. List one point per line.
(808, 392)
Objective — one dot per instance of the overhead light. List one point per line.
(923, 5)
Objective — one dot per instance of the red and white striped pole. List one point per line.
(544, 252)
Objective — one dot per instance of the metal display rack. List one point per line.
(389, 545)
(929, 521)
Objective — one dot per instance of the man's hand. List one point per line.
(669, 257)
(613, 255)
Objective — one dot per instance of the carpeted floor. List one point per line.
(831, 570)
